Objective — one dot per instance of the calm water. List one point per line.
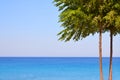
(56, 68)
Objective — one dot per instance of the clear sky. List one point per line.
(30, 27)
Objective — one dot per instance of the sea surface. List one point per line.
(56, 68)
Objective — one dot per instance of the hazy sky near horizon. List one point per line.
(30, 27)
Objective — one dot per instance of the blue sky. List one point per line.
(30, 27)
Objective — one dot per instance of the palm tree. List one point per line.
(112, 19)
(80, 18)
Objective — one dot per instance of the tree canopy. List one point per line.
(76, 18)
(112, 16)
(80, 18)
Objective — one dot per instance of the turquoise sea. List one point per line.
(55, 68)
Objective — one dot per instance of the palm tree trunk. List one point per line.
(111, 54)
(100, 48)
(100, 53)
